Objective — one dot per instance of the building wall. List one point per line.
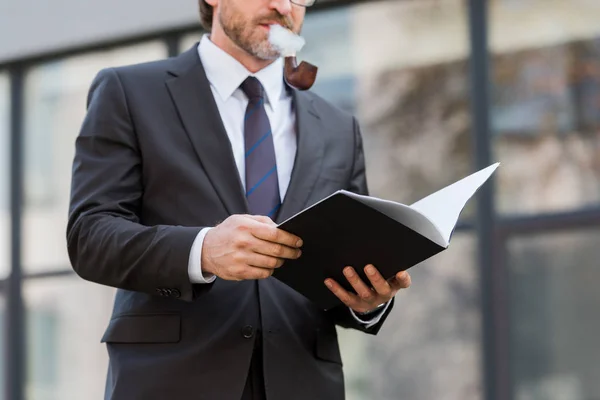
(30, 27)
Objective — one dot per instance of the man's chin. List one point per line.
(266, 56)
(265, 51)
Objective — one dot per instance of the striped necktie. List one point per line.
(262, 186)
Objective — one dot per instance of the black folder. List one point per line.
(346, 229)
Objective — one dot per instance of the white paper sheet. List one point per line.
(444, 206)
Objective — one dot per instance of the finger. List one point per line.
(381, 286)
(258, 273)
(273, 234)
(264, 219)
(401, 280)
(359, 286)
(262, 261)
(347, 298)
(275, 250)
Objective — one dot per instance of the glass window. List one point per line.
(4, 175)
(546, 104)
(65, 357)
(554, 315)
(411, 97)
(55, 107)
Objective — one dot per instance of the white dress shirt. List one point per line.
(225, 75)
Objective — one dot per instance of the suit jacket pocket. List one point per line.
(327, 348)
(144, 328)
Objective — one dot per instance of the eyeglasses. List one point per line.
(303, 3)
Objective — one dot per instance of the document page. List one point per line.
(444, 206)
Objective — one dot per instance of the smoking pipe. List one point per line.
(302, 76)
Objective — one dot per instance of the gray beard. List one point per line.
(262, 50)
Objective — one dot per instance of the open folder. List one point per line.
(347, 229)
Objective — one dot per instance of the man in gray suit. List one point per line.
(183, 167)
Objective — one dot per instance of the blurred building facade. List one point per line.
(510, 311)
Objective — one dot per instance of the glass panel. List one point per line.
(56, 103)
(65, 320)
(554, 316)
(409, 93)
(411, 97)
(4, 175)
(546, 104)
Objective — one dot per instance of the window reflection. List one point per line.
(546, 104)
(4, 175)
(554, 315)
(56, 103)
(411, 97)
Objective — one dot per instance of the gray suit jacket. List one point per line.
(153, 166)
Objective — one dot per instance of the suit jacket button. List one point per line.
(175, 293)
(248, 331)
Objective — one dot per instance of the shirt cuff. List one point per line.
(194, 264)
(377, 314)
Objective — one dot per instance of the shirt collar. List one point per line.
(226, 74)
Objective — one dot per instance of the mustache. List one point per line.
(283, 20)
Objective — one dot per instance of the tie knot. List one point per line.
(252, 88)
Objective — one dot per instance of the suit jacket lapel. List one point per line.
(191, 93)
(309, 156)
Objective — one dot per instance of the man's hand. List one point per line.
(247, 247)
(368, 298)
